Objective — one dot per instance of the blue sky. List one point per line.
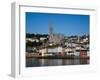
(67, 24)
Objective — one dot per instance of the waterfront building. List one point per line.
(55, 49)
(50, 50)
(83, 53)
(77, 53)
(43, 51)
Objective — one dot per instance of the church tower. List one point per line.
(51, 26)
(54, 38)
(51, 31)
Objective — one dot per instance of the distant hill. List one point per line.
(32, 35)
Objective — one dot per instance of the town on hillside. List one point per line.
(57, 45)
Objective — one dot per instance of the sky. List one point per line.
(67, 24)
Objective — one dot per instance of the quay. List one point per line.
(56, 57)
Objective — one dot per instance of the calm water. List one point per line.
(30, 62)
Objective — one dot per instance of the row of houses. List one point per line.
(59, 50)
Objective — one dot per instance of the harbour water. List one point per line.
(34, 62)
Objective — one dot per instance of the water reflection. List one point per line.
(31, 62)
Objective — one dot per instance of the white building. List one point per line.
(55, 49)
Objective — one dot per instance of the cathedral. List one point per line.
(55, 38)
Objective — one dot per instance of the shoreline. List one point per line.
(57, 57)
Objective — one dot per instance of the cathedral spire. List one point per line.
(51, 26)
(51, 30)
